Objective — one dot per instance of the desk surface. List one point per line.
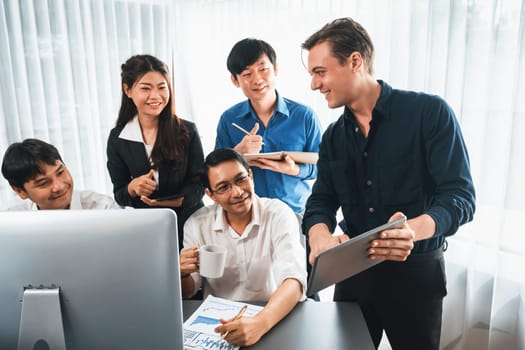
(312, 325)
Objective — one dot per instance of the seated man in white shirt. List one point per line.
(37, 174)
(265, 259)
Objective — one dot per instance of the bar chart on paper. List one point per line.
(202, 341)
(199, 328)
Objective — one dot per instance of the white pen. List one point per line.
(244, 131)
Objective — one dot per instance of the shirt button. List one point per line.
(370, 210)
(365, 154)
(369, 182)
(356, 129)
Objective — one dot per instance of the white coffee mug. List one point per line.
(211, 260)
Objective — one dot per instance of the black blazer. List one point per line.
(128, 159)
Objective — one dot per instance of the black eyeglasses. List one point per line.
(227, 186)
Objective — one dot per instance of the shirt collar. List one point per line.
(245, 109)
(281, 106)
(382, 104)
(131, 131)
(220, 221)
(381, 109)
(34, 206)
(220, 224)
(75, 202)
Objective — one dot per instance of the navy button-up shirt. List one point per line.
(414, 160)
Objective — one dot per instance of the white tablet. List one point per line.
(346, 259)
(298, 157)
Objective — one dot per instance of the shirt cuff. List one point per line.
(318, 219)
(197, 280)
(305, 170)
(443, 221)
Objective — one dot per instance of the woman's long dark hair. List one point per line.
(172, 136)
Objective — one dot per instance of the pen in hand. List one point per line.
(244, 131)
(236, 317)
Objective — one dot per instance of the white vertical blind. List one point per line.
(60, 74)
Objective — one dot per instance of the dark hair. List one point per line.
(246, 52)
(345, 36)
(22, 160)
(168, 145)
(221, 155)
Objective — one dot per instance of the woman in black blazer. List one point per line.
(151, 152)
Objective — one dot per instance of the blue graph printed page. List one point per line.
(199, 328)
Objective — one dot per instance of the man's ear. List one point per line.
(355, 60)
(20, 192)
(235, 82)
(275, 69)
(210, 195)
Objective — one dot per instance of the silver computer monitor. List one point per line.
(117, 273)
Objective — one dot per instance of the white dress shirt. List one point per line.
(79, 200)
(133, 132)
(260, 259)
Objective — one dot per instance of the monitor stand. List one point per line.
(41, 320)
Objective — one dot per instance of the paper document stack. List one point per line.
(199, 328)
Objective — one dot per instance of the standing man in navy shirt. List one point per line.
(392, 152)
(274, 124)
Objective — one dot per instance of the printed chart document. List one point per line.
(298, 157)
(199, 328)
